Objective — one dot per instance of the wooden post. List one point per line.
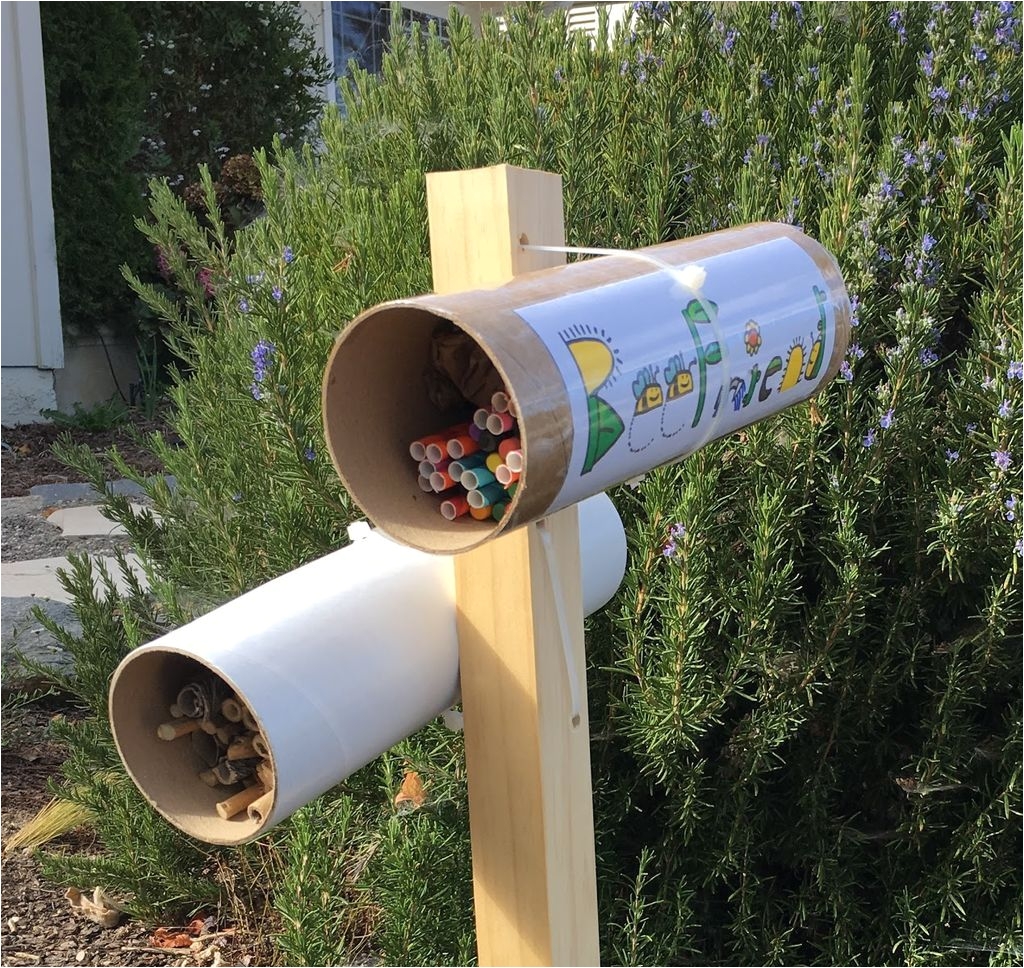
(530, 792)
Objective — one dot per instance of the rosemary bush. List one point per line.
(806, 699)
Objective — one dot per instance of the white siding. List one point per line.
(31, 332)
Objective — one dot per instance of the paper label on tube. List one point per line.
(654, 369)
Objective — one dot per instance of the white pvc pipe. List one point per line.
(337, 660)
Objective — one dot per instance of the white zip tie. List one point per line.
(572, 673)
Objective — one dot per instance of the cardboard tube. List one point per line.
(500, 402)
(334, 672)
(476, 478)
(514, 461)
(606, 401)
(227, 809)
(454, 508)
(241, 749)
(260, 808)
(265, 774)
(480, 418)
(231, 710)
(177, 729)
(463, 446)
(500, 423)
(425, 486)
(504, 475)
(441, 481)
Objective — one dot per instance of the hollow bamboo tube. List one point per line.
(249, 721)
(229, 808)
(265, 774)
(176, 711)
(259, 744)
(181, 727)
(231, 710)
(259, 809)
(208, 726)
(209, 778)
(226, 733)
(241, 750)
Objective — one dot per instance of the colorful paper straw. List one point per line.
(486, 496)
(454, 508)
(476, 478)
(505, 475)
(461, 445)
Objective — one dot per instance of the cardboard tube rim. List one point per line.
(209, 828)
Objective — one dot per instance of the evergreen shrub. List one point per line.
(806, 698)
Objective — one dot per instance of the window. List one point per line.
(360, 33)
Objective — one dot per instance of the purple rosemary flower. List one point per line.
(1004, 409)
(856, 351)
(939, 96)
(869, 438)
(558, 75)
(255, 280)
(909, 159)
(971, 427)
(886, 189)
(767, 80)
(747, 155)
(845, 370)
(1010, 504)
(1019, 547)
(980, 54)
(309, 453)
(928, 356)
(668, 549)
(287, 254)
(243, 305)
(886, 421)
(854, 310)
(952, 456)
(928, 242)
(1015, 371)
(277, 294)
(1002, 459)
(816, 106)
(773, 20)
(762, 139)
(896, 22)
(708, 118)
(927, 63)
(814, 71)
(729, 42)
(257, 393)
(677, 531)
(988, 383)
(262, 358)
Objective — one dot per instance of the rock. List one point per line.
(21, 632)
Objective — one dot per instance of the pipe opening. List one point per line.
(404, 381)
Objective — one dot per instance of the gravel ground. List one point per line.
(23, 538)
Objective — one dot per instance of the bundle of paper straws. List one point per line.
(227, 741)
(475, 466)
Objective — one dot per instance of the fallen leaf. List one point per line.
(170, 938)
(100, 909)
(411, 796)
(197, 927)
(25, 449)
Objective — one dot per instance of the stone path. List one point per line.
(28, 583)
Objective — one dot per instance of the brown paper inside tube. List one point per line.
(376, 401)
(168, 773)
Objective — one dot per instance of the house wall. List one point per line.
(31, 342)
